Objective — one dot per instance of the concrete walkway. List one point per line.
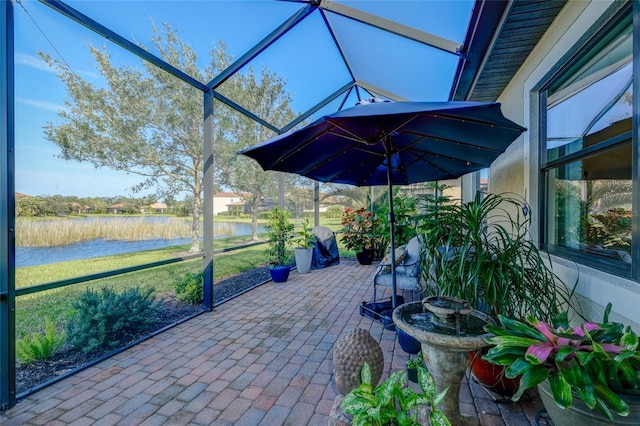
(263, 358)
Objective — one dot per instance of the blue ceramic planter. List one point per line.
(408, 344)
(280, 274)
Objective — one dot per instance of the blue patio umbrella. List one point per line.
(392, 143)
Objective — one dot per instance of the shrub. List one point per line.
(334, 211)
(189, 288)
(105, 319)
(39, 347)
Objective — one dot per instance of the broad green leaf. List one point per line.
(629, 340)
(561, 320)
(611, 400)
(426, 382)
(437, 400)
(573, 373)
(517, 368)
(629, 374)
(437, 418)
(588, 395)
(564, 352)
(561, 390)
(365, 373)
(530, 378)
(514, 341)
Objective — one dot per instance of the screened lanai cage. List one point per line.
(120, 127)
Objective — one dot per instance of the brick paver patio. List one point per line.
(263, 358)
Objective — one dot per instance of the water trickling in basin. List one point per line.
(470, 325)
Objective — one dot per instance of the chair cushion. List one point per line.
(412, 261)
(400, 254)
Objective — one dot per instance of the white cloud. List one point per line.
(32, 61)
(49, 106)
(38, 63)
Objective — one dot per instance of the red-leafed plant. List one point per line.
(358, 229)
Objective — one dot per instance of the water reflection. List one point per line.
(33, 256)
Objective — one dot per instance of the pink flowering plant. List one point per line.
(595, 361)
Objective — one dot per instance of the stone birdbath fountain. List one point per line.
(449, 329)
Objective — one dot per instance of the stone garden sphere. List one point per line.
(350, 352)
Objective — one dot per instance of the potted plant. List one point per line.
(304, 250)
(482, 252)
(412, 367)
(357, 231)
(575, 368)
(279, 253)
(392, 402)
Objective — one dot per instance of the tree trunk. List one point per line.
(254, 221)
(195, 226)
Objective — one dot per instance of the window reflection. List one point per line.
(590, 205)
(587, 169)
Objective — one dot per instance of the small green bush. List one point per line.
(189, 288)
(39, 347)
(104, 319)
(334, 211)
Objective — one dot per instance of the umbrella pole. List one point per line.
(392, 221)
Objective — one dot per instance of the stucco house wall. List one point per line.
(517, 169)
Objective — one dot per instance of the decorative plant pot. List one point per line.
(365, 257)
(492, 376)
(408, 343)
(303, 259)
(280, 274)
(412, 374)
(579, 414)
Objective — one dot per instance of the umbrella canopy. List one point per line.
(392, 143)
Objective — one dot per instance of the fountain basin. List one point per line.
(412, 319)
(445, 350)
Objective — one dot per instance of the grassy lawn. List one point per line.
(33, 310)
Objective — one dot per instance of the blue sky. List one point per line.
(305, 57)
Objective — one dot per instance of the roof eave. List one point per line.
(484, 24)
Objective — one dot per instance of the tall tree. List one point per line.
(265, 96)
(146, 122)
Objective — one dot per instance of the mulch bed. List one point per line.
(66, 360)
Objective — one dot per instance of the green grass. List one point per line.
(33, 310)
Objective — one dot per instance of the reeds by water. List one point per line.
(60, 232)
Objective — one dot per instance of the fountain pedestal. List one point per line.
(446, 352)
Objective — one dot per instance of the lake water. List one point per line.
(33, 256)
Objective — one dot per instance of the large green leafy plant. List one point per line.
(482, 252)
(595, 361)
(391, 402)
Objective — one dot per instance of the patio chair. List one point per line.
(407, 269)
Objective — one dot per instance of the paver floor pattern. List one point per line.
(263, 358)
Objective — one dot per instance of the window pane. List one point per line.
(589, 205)
(598, 95)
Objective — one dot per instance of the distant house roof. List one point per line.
(226, 194)
(20, 194)
(158, 206)
(116, 206)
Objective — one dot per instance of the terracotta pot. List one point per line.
(492, 376)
